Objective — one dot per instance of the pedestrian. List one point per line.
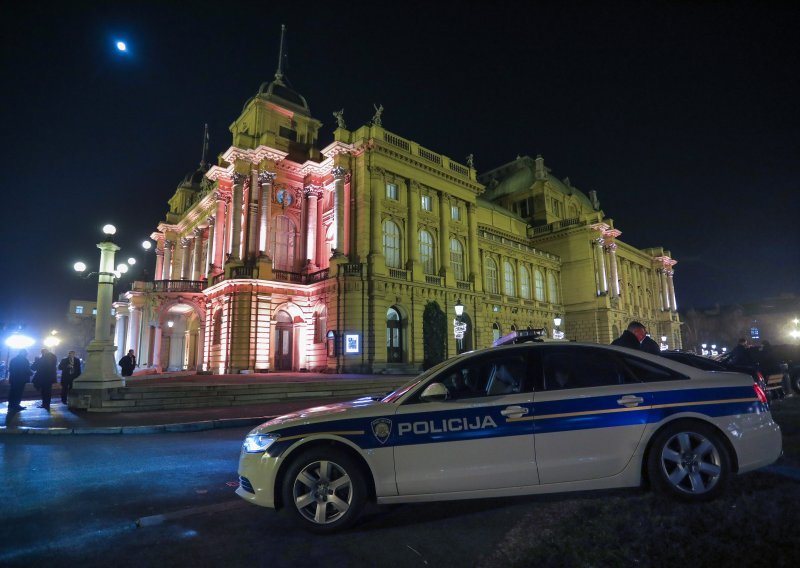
(649, 345)
(70, 367)
(19, 374)
(128, 363)
(632, 337)
(45, 375)
(740, 355)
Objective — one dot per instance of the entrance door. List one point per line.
(394, 337)
(283, 344)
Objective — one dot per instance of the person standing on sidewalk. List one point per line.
(70, 367)
(46, 374)
(19, 374)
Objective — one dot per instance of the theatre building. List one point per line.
(288, 256)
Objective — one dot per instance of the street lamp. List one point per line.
(100, 371)
(664, 345)
(459, 327)
(704, 346)
(557, 333)
(16, 341)
(52, 340)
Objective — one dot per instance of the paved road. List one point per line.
(75, 500)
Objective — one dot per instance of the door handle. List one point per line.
(630, 401)
(514, 411)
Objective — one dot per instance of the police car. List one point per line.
(514, 420)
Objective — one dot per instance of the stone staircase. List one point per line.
(149, 396)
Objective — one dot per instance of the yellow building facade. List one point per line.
(286, 257)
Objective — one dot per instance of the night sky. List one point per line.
(682, 116)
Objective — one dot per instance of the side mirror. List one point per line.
(435, 392)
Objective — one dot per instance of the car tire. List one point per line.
(689, 461)
(324, 489)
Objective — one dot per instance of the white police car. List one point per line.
(514, 420)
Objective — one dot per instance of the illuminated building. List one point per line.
(289, 257)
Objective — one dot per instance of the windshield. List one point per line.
(398, 393)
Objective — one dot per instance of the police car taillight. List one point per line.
(759, 376)
(762, 397)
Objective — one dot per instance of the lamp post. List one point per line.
(52, 340)
(557, 333)
(459, 327)
(100, 371)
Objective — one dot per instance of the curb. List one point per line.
(151, 429)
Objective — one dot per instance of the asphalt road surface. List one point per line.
(75, 501)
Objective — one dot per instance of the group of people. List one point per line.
(45, 373)
(635, 337)
(44, 370)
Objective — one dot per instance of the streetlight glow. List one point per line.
(122, 268)
(459, 308)
(109, 229)
(122, 46)
(19, 341)
(131, 261)
(147, 245)
(79, 266)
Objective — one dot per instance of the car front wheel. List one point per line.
(325, 489)
(689, 461)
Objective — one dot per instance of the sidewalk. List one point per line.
(62, 420)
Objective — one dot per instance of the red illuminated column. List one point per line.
(612, 257)
(159, 264)
(236, 237)
(197, 253)
(219, 232)
(252, 215)
(168, 248)
(186, 259)
(209, 264)
(320, 230)
(311, 227)
(157, 348)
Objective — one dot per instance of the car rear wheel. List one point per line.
(690, 461)
(325, 490)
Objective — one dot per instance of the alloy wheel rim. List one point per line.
(323, 492)
(691, 463)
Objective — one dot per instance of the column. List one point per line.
(186, 258)
(320, 261)
(411, 231)
(662, 272)
(219, 232)
(159, 275)
(472, 244)
(602, 286)
(671, 286)
(444, 231)
(209, 264)
(168, 248)
(197, 255)
(236, 237)
(119, 334)
(157, 348)
(266, 179)
(339, 208)
(252, 216)
(134, 322)
(612, 256)
(311, 226)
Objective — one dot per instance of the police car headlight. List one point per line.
(257, 443)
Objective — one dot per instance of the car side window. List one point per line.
(647, 372)
(584, 368)
(488, 376)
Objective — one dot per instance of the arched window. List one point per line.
(495, 331)
(552, 288)
(524, 283)
(457, 259)
(508, 279)
(391, 244)
(216, 337)
(491, 276)
(538, 285)
(283, 239)
(426, 254)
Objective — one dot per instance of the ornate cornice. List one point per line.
(335, 148)
(255, 156)
(216, 172)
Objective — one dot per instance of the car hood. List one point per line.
(355, 408)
